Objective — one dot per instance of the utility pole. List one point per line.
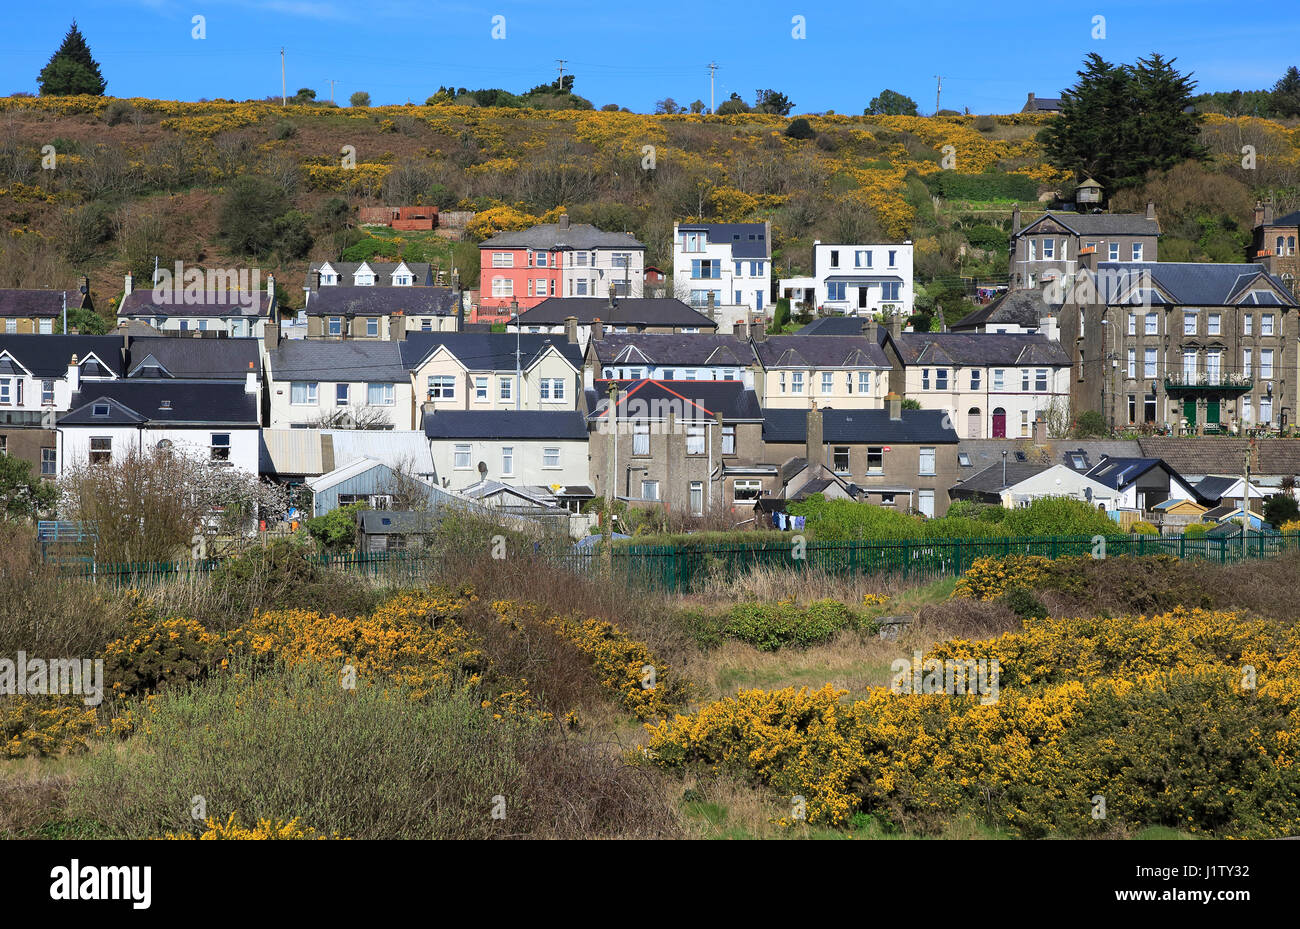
(283, 88)
(937, 91)
(332, 82)
(713, 70)
(561, 62)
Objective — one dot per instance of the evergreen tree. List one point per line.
(71, 70)
(1121, 121)
(891, 103)
(1286, 93)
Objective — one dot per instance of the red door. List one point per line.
(999, 423)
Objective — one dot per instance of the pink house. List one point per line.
(556, 260)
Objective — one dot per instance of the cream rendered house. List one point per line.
(840, 372)
(493, 371)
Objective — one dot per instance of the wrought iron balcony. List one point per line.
(1206, 383)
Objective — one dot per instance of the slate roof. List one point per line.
(20, 303)
(860, 426)
(549, 236)
(1099, 224)
(340, 300)
(695, 349)
(421, 272)
(1223, 455)
(626, 311)
(1016, 307)
(819, 351)
(835, 325)
(1214, 486)
(689, 400)
(349, 360)
(1197, 283)
(211, 303)
(194, 358)
(747, 240)
(487, 351)
(990, 480)
(985, 452)
(979, 348)
(1117, 473)
(1290, 219)
(195, 403)
(47, 356)
(506, 424)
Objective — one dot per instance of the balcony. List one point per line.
(1201, 384)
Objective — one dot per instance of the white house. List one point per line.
(730, 261)
(855, 280)
(526, 448)
(228, 309)
(1060, 481)
(349, 384)
(214, 422)
(1141, 483)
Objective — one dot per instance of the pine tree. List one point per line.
(71, 70)
(1286, 93)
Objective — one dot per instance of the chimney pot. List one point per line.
(597, 329)
(1151, 210)
(130, 282)
(895, 406)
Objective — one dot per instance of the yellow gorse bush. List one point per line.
(990, 578)
(268, 829)
(38, 726)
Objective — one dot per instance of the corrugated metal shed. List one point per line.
(311, 452)
(291, 452)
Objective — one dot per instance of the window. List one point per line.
(1132, 362)
(925, 378)
(1148, 362)
(1040, 380)
(381, 394)
(47, 393)
(1152, 324)
(220, 448)
(1189, 366)
(507, 461)
(695, 440)
(835, 255)
(101, 449)
(796, 382)
(697, 498)
(835, 290)
(1266, 364)
(1266, 324)
(1132, 408)
(926, 455)
(505, 389)
(827, 382)
(1246, 365)
(941, 379)
(1024, 379)
(747, 489)
(1149, 408)
(334, 325)
(426, 325)
(1213, 366)
(503, 287)
(1249, 324)
(925, 502)
(541, 287)
(864, 382)
(728, 440)
(481, 387)
(889, 290)
(46, 326)
(1265, 409)
(703, 269)
(740, 269)
(1049, 249)
(621, 259)
(551, 456)
(460, 460)
(372, 326)
(340, 394)
(302, 393)
(640, 438)
(100, 409)
(840, 458)
(1132, 323)
(649, 490)
(1113, 252)
(542, 258)
(862, 259)
(998, 383)
(1137, 251)
(582, 287)
(11, 326)
(1212, 324)
(875, 459)
(49, 462)
(694, 241)
(976, 376)
(442, 387)
(893, 258)
(1189, 324)
(503, 260)
(551, 389)
(6, 396)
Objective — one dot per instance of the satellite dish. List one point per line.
(482, 469)
(164, 444)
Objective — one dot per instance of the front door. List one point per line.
(1189, 414)
(862, 298)
(1212, 414)
(999, 423)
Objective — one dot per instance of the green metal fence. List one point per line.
(392, 567)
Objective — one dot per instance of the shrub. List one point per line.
(990, 578)
(1280, 509)
(1024, 604)
(279, 575)
(1090, 424)
(40, 726)
(982, 187)
(155, 651)
(1144, 528)
(232, 830)
(984, 123)
(800, 129)
(1196, 530)
(769, 627)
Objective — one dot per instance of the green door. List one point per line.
(1212, 415)
(1189, 413)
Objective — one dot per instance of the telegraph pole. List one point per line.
(937, 91)
(283, 88)
(561, 69)
(332, 82)
(713, 70)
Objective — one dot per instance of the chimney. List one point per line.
(397, 326)
(74, 375)
(758, 330)
(815, 447)
(871, 330)
(597, 330)
(564, 222)
(1259, 213)
(271, 335)
(739, 328)
(709, 305)
(455, 279)
(1015, 211)
(612, 303)
(895, 406)
(588, 379)
(1040, 430)
(250, 380)
(1151, 210)
(896, 325)
(270, 288)
(1268, 212)
(1088, 258)
(130, 280)
(571, 329)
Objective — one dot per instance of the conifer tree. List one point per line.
(71, 70)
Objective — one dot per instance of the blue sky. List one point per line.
(991, 54)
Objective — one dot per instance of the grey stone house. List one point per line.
(1048, 248)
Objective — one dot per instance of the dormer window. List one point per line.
(100, 409)
(164, 404)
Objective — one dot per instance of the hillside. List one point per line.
(138, 178)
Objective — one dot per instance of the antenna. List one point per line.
(713, 69)
(937, 91)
